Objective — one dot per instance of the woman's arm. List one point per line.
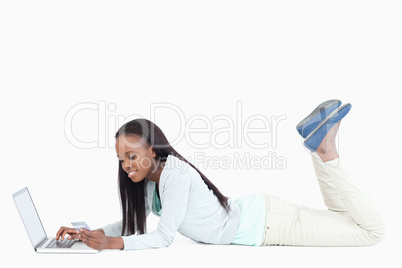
(174, 199)
(176, 190)
(98, 240)
(109, 236)
(113, 229)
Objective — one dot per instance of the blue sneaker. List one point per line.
(315, 138)
(309, 123)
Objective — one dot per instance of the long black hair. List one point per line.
(132, 195)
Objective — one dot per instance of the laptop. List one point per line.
(36, 232)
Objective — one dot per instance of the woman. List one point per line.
(154, 177)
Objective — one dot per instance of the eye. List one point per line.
(121, 161)
(131, 157)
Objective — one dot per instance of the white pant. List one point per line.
(351, 218)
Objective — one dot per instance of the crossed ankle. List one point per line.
(327, 150)
(328, 156)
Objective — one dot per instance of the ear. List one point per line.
(152, 151)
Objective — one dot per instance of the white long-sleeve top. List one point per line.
(188, 206)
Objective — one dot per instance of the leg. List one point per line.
(354, 223)
(339, 191)
(327, 149)
(350, 221)
(291, 225)
(343, 196)
(327, 152)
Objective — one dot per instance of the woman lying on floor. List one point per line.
(154, 177)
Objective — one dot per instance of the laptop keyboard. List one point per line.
(61, 244)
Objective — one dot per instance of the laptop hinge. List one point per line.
(41, 243)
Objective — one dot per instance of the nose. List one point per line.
(127, 165)
(130, 165)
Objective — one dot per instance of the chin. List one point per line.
(136, 180)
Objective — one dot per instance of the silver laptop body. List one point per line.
(35, 229)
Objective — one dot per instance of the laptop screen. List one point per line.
(29, 216)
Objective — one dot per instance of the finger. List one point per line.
(72, 231)
(92, 244)
(83, 236)
(84, 240)
(73, 236)
(59, 232)
(68, 231)
(86, 232)
(63, 234)
(87, 240)
(87, 236)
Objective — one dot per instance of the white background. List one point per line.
(277, 58)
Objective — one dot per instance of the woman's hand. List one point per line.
(97, 240)
(94, 239)
(73, 234)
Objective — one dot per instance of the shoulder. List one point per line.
(174, 165)
(177, 171)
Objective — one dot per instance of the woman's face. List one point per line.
(135, 156)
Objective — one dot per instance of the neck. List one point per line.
(155, 173)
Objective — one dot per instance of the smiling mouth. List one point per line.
(132, 173)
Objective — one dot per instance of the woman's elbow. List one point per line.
(376, 236)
